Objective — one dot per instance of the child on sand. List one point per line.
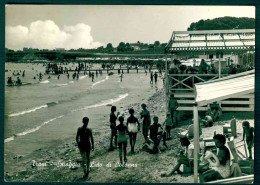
(85, 143)
(184, 157)
(156, 135)
(248, 132)
(168, 126)
(122, 139)
(133, 127)
(145, 115)
(112, 120)
(173, 106)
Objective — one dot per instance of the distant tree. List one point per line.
(156, 43)
(109, 47)
(101, 48)
(163, 44)
(151, 46)
(128, 47)
(121, 46)
(223, 23)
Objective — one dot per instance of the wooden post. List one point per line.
(219, 66)
(166, 85)
(196, 141)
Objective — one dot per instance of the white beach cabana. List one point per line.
(216, 90)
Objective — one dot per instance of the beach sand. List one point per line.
(143, 166)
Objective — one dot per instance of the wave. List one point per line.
(82, 77)
(98, 82)
(60, 84)
(33, 109)
(106, 102)
(28, 111)
(31, 130)
(45, 82)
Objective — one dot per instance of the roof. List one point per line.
(224, 88)
(226, 41)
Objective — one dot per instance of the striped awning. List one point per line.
(227, 41)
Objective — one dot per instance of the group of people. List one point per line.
(124, 131)
(212, 165)
(11, 82)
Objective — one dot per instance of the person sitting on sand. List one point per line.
(156, 136)
(248, 132)
(133, 127)
(112, 120)
(85, 143)
(145, 115)
(18, 82)
(122, 139)
(216, 111)
(208, 120)
(184, 157)
(220, 168)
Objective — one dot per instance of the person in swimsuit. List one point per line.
(183, 158)
(248, 132)
(219, 169)
(122, 139)
(156, 135)
(168, 126)
(145, 115)
(112, 120)
(85, 143)
(133, 127)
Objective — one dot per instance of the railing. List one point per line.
(180, 82)
(182, 86)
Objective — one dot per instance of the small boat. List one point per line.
(111, 73)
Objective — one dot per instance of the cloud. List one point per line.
(47, 35)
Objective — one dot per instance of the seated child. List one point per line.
(155, 135)
(184, 157)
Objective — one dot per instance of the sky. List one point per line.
(91, 26)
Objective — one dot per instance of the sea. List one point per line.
(46, 112)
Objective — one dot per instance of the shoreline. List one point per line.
(142, 166)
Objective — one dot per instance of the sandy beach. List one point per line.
(60, 162)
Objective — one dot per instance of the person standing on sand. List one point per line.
(173, 106)
(155, 77)
(112, 120)
(168, 127)
(121, 77)
(145, 115)
(133, 127)
(248, 132)
(151, 78)
(85, 143)
(93, 77)
(122, 139)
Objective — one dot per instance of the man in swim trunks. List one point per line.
(145, 115)
(85, 143)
